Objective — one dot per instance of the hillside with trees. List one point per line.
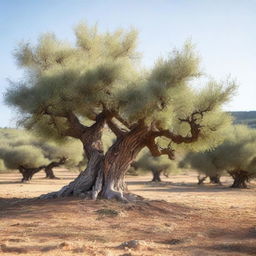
(245, 117)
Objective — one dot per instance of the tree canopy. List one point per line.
(75, 90)
(101, 72)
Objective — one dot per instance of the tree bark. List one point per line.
(93, 148)
(240, 178)
(118, 160)
(156, 175)
(27, 173)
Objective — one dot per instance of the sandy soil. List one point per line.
(177, 218)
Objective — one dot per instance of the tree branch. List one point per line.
(76, 129)
(114, 128)
(120, 119)
(157, 151)
(195, 129)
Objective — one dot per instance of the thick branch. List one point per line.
(195, 129)
(157, 151)
(61, 161)
(178, 139)
(76, 129)
(121, 120)
(114, 128)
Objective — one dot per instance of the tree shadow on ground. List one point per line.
(224, 248)
(11, 182)
(179, 187)
(30, 207)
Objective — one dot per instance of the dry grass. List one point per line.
(179, 218)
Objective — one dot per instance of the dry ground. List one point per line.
(179, 218)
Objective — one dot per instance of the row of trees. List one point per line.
(235, 156)
(29, 154)
(76, 90)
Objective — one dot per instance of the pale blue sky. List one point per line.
(223, 30)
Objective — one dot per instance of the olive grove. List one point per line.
(235, 156)
(77, 90)
(29, 154)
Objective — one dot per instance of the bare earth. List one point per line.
(178, 218)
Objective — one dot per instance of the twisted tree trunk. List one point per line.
(27, 173)
(49, 168)
(93, 148)
(156, 175)
(118, 160)
(240, 178)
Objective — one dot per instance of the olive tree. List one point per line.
(16, 154)
(27, 159)
(77, 89)
(68, 153)
(236, 156)
(29, 153)
(156, 165)
(202, 162)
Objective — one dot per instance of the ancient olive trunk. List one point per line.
(240, 178)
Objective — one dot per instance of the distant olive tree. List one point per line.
(236, 156)
(29, 153)
(68, 154)
(202, 162)
(99, 80)
(156, 165)
(27, 159)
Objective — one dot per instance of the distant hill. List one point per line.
(245, 117)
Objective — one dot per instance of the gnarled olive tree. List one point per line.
(76, 90)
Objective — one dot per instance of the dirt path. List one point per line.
(180, 218)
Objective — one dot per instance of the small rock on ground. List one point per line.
(132, 244)
(126, 254)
